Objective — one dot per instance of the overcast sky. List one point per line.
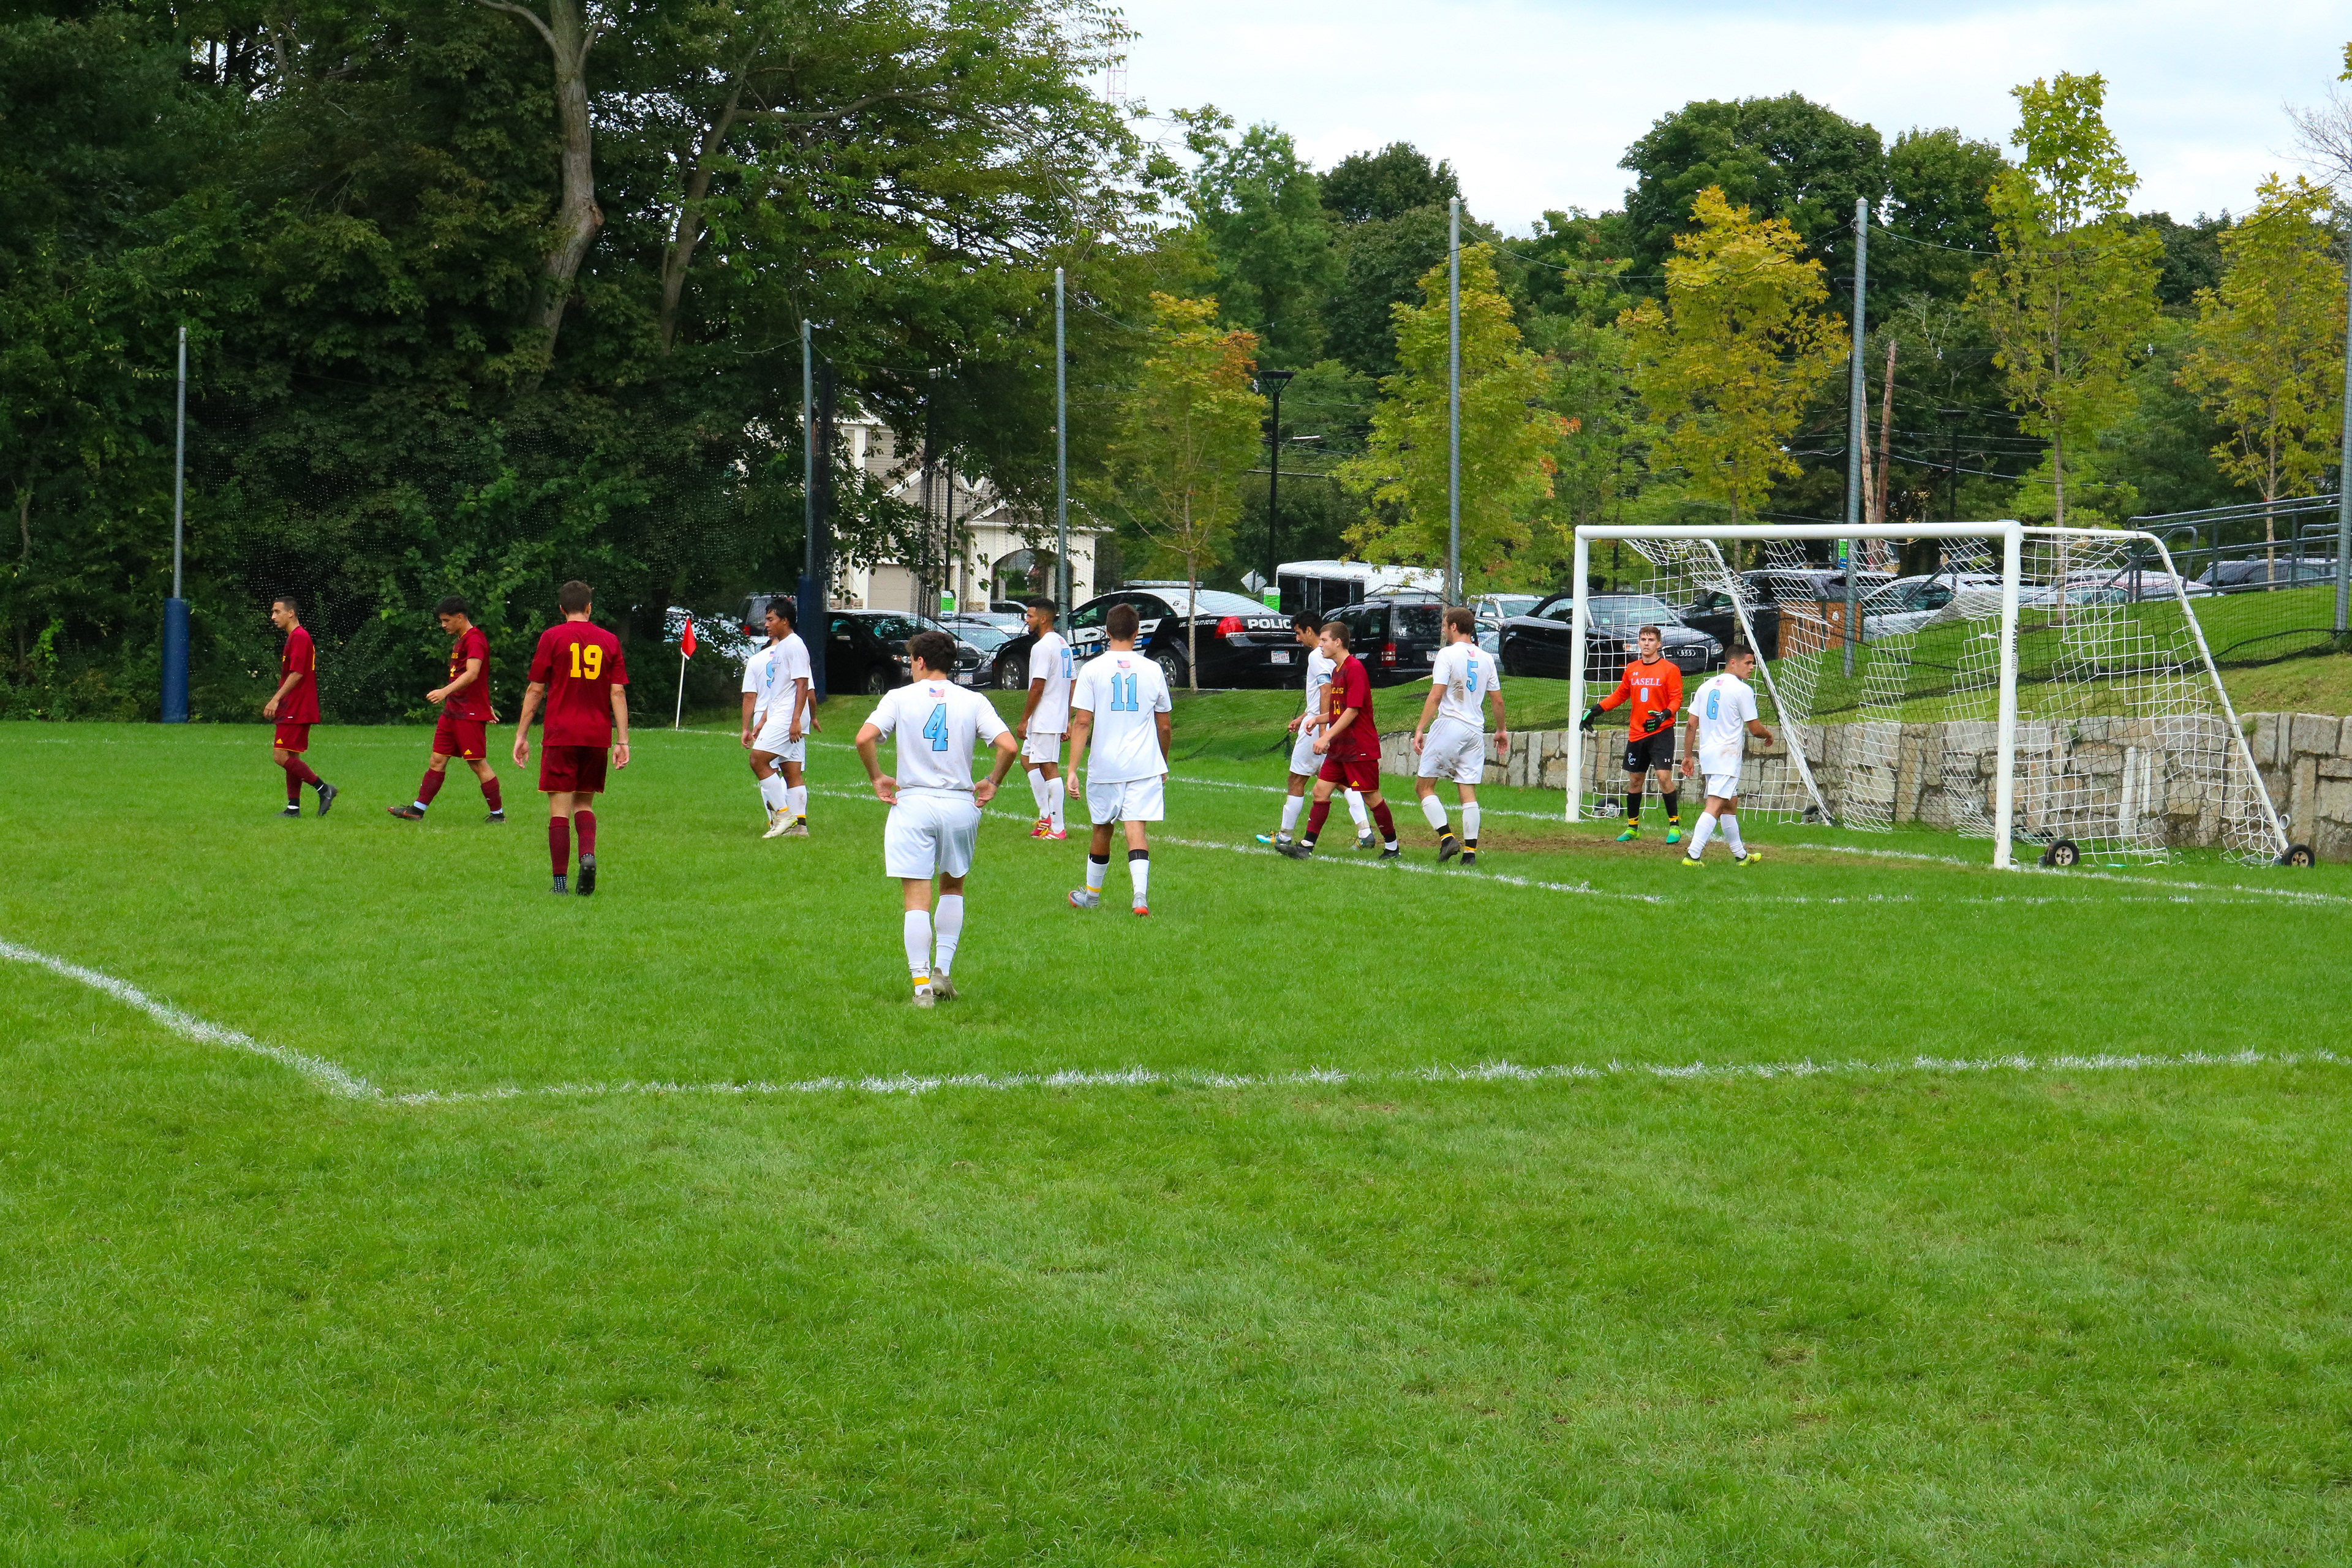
(1535, 100)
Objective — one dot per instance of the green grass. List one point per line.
(2072, 1315)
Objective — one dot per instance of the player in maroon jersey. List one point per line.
(1350, 748)
(577, 668)
(465, 714)
(295, 706)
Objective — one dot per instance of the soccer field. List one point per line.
(1864, 1206)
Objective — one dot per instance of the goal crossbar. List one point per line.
(2012, 535)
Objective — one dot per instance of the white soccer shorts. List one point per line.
(1723, 785)
(1453, 751)
(771, 740)
(931, 833)
(1303, 760)
(1125, 800)
(1042, 746)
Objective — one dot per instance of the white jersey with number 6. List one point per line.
(1724, 704)
(1467, 672)
(937, 723)
(1123, 690)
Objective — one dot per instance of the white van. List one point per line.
(1320, 587)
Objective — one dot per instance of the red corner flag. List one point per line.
(686, 643)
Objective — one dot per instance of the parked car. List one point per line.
(715, 632)
(987, 639)
(1909, 603)
(1396, 635)
(1238, 641)
(1538, 642)
(956, 620)
(2257, 574)
(865, 651)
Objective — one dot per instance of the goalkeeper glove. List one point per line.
(1591, 717)
(1658, 719)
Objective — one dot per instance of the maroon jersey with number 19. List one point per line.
(579, 663)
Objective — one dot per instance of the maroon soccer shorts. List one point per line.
(1359, 773)
(293, 738)
(467, 739)
(579, 770)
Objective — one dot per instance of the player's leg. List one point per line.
(1432, 810)
(489, 779)
(1141, 805)
(292, 740)
(1328, 780)
(583, 828)
(1293, 802)
(1366, 776)
(1102, 811)
(1469, 793)
(1673, 797)
(1057, 800)
(947, 931)
(915, 934)
(558, 835)
(288, 761)
(1035, 774)
(1636, 775)
(796, 789)
(771, 782)
(1727, 815)
(436, 774)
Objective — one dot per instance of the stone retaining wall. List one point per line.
(1943, 773)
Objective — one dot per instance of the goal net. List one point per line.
(2020, 683)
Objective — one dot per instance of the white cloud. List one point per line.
(1535, 103)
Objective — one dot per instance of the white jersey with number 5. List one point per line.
(1724, 704)
(937, 723)
(1123, 690)
(1467, 672)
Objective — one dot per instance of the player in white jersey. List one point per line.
(934, 806)
(1304, 763)
(1722, 717)
(1450, 739)
(1045, 718)
(782, 713)
(1119, 705)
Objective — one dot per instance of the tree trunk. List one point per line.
(577, 218)
(1885, 425)
(679, 253)
(1191, 614)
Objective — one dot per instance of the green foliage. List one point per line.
(1373, 187)
(1787, 158)
(1261, 208)
(1937, 208)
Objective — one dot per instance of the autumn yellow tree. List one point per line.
(1507, 436)
(1188, 438)
(1725, 363)
(2268, 359)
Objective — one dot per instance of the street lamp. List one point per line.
(1270, 383)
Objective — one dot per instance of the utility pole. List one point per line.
(1061, 457)
(2344, 478)
(1857, 399)
(812, 595)
(1453, 403)
(175, 609)
(1273, 380)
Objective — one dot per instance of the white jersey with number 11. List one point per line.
(1125, 692)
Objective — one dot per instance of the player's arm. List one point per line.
(804, 701)
(620, 727)
(1008, 752)
(1690, 746)
(1624, 691)
(442, 694)
(749, 713)
(270, 708)
(1163, 721)
(1081, 729)
(884, 787)
(1029, 709)
(1502, 729)
(531, 700)
(1428, 712)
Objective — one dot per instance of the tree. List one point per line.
(2268, 359)
(1262, 209)
(1725, 364)
(1787, 157)
(1507, 435)
(2074, 291)
(1938, 204)
(1189, 438)
(1372, 187)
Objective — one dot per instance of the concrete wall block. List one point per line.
(2335, 801)
(2313, 734)
(2261, 737)
(1555, 774)
(2343, 741)
(2335, 767)
(2302, 811)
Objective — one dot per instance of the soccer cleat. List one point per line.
(1085, 899)
(1633, 831)
(405, 813)
(327, 794)
(1143, 910)
(1692, 861)
(1041, 828)
(495, 818)
(1297, 849)
(1469, 859)
(1448, 846)
(291, 810)
(797, 827)
(778, 824)
(587, 875)
(1752, 857)
(559, 886)
(775, 814)
(923, 992)
(1364, 839)
(1674, 834)
(1393, 852)
(943, 987)
(1277, 839)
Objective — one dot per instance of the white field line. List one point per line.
(348, 1086)
(2294, 895)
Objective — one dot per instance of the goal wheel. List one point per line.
(2061, 853)
(2299, 856)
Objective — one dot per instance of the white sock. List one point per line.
(797, 799)
(1039, 785)
(1291, 806)
(1096, 871)
(917, 933)
(1702, 833)
(1138, 871)
(1470, 823)
(1732, 835)
(948, 930)
(1356, 809)
(1057, 806)
(1433, 812)
(772, 793)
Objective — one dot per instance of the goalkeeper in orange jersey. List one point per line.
(1654, 689)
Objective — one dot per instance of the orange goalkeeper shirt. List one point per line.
(1655, 691)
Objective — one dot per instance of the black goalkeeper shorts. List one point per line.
(1651, 752)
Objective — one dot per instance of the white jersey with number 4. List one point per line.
(1124, 691)
(938, 723)
(1724, 705)
(1467, 672)
(1049, 662)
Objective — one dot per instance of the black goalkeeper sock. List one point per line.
(1675, 807)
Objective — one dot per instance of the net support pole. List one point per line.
(813, 568)
(1857, 395)
(1454, 404)
(2344, 472)
(2004, 777)
(1061, 455)
(175, 609)
(1577, 624)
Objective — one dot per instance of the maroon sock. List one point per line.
(559, 843)
(300, 771)
(585, 821)
(431, 786)
(491, 792)
(293, 781)
(1386, 823)
(1315, 816)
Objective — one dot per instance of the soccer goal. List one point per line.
(2124, 743)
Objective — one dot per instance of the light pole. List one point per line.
(1271, 382)
(1855, 394)
(1453, 402)
(1061, 455)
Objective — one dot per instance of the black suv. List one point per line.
(865, 651)
(1396, 635)
(1538, 643)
